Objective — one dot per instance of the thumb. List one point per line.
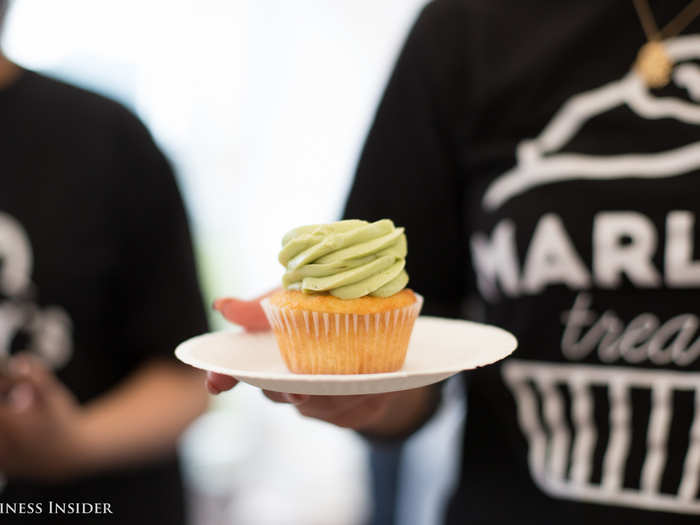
(25, 366)
(248, 314)
(21, 397)
(217, 383)
(29, 368)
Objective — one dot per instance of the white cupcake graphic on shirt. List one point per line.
(539, 163)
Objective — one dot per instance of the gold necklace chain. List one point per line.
(653, 63)
(675, 26)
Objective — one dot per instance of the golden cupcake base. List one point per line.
(321, 334)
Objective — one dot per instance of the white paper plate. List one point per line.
(439, 348)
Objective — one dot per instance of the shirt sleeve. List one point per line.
(157, 290)
(408, 169)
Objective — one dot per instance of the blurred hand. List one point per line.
(249, 315)
(386, 413)
(40, 423)
(360, 412)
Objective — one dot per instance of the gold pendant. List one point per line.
(653, 64)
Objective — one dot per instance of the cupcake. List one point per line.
(344, 307)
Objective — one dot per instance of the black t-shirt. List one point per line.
(96, 268)
(533, 170)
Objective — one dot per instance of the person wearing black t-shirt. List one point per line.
(97, 287)
(544, 158)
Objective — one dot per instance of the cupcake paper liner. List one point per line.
(337, 343)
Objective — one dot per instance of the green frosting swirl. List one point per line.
(347, 259)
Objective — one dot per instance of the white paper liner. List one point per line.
(334, 343)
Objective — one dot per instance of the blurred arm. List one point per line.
(45, 434)
(142, 418)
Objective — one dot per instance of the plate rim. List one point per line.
(291, 376)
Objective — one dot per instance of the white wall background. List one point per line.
(262, 105)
